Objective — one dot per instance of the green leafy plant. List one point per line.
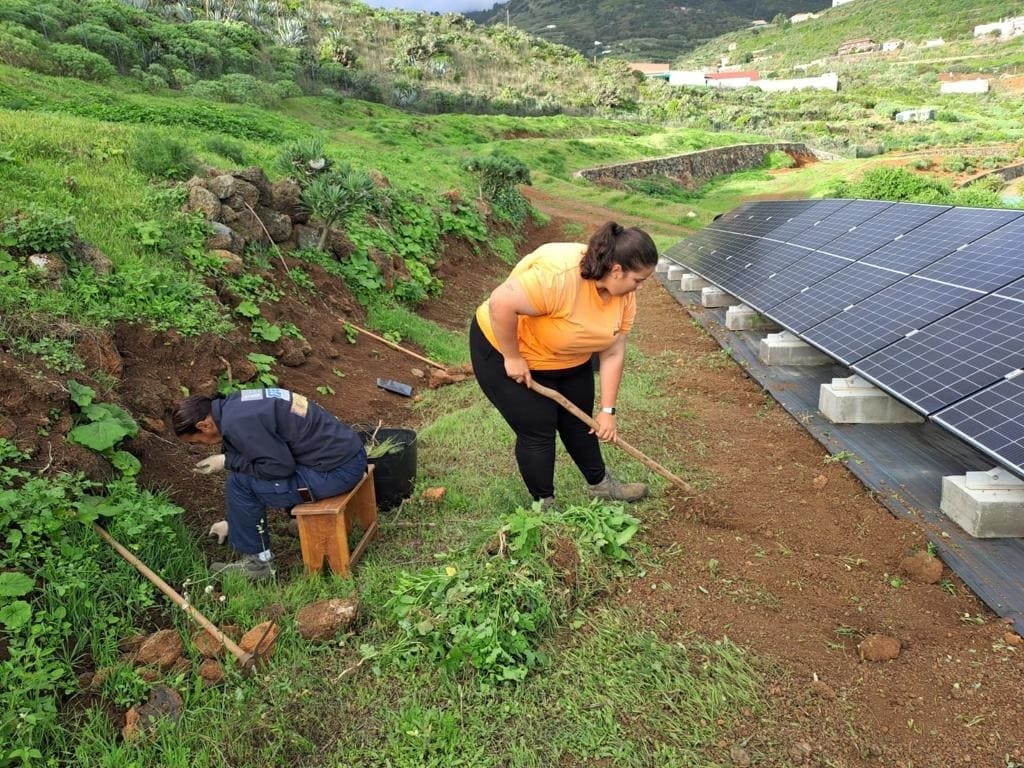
(325, 389)
(102, 426)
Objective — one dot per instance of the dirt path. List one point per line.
(789, 556)
(592, 216)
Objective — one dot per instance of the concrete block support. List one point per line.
(986, 505)
(856, 401)
(662, 266)
(674, 273)
(744, 318)
(712, 297)
(786, 349)
(691, 282)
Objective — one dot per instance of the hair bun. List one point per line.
(617, 229)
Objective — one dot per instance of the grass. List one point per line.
(609, 690)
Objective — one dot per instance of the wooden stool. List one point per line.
(324, 526)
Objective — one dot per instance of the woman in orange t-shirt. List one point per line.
(560, 305)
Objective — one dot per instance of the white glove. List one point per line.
(220, 530)
(210, 464)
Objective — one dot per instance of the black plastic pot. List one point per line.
(394, 474)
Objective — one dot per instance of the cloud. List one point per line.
(441, 6)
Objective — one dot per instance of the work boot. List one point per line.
(612, 489)
(249, 566)
(548, 504)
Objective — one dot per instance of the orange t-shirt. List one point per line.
(575, 321)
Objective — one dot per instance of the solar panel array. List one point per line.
(926, 301)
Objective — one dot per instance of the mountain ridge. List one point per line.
(637, 30)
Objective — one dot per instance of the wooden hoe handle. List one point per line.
(586, 419)
(244, 658)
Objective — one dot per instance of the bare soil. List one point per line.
(786, 554)
(789, 556)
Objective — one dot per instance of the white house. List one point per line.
(836, 3)
(891, 45)
(964, 86)
(1006, 28)
(938, 42)
(687, 77)
(751, 79)
(796, 18)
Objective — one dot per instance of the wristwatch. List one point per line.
(610, 409)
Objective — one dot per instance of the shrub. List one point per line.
(332, 196)
(497, 176)
(228, 148)
(20, 47)
(113, 46)
(159, 156)
(37, 230)
(76, 61)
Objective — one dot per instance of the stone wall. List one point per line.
(1007, 173)
(695, 168)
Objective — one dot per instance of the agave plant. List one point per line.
(290, 32)
(334, 196)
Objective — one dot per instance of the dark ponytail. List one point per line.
(632, 249)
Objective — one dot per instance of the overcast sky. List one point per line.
(442, 6)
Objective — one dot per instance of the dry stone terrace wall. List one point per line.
(694, 168)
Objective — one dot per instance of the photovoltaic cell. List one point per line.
(832, 294)
(687, 251)
(993, 420)
(806, 219)
(985, 264)
(890, 314)
(776, 260)
(760, 218)
(1014, 290)
(953, 357)
(809, 270)
(938, 237)
(842, 221)
(882, 229)
(725, 255)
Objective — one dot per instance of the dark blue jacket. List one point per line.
(269, 432)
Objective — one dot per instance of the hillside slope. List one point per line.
(880, 20)
(658, 29)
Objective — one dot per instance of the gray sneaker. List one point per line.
(612, 489)
(249, 566)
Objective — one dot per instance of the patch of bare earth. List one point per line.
(789, 556)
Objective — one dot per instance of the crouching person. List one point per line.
(281, 449)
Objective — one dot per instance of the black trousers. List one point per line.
(535, 419)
